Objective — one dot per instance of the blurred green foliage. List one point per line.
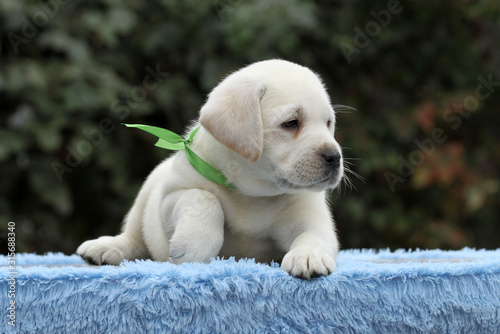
(72, 70)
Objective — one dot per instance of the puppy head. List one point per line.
(277, 116)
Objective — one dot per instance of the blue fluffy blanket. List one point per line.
(371, 292)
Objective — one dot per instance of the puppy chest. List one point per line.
(249, 224)
(252, 218)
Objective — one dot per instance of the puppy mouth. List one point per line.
(331, 180)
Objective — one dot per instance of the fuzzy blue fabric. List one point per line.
(371, 292)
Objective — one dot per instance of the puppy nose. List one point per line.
(332, 159)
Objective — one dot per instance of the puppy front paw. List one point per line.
(101, 251)
(307, 263)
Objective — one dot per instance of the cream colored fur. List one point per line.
(279, 210)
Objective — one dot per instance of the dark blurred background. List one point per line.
(423, 76)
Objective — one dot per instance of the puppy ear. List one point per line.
(232, 115)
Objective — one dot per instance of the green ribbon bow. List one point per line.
(172, 141)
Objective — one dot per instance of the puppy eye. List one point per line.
(328, 123)
(293, 124)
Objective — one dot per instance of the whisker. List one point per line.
(341, 108)
(348, 170)
(353, 186)
(342, 188)
(346, 181)
(347, 184)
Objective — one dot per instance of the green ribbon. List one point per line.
(172, 141)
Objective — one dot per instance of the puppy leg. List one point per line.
(198, 222)
(311, 244)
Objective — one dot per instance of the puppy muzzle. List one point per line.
(331, 160)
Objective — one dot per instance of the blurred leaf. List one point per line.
(48, 189)
(49, 138)
(10, 143)
(477, 194)
(61, 41)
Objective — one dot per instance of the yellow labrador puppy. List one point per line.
(269, 128)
